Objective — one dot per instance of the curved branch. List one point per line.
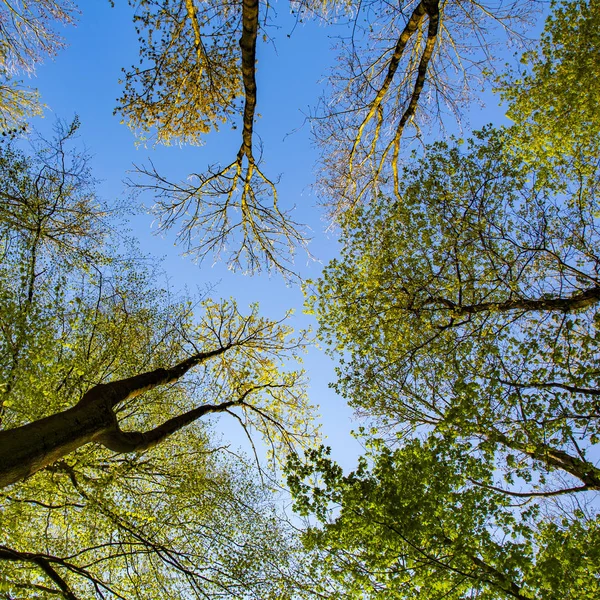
(44, 563)
(137, 441)
(411, 26)
(581, 488)
(119, 391)
(433, 11)
(554, 384)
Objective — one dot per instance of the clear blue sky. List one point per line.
(83, 80)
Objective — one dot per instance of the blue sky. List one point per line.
(83, 80)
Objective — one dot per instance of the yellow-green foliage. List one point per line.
(189, 74)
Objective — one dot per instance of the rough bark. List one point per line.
(248, 47)
(31, 447)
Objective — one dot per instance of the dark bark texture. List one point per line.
(27, 449)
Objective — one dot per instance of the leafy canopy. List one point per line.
(190, 516)
(465, 312)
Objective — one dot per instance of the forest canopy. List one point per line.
(466, 312)
(462, 312)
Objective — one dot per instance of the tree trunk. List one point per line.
(29, 448)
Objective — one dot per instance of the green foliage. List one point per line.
(189, 74)
(465, 309)
(465, 312)
(554, 101)
(27, 36)
(190, 517)
(468, 315)
(407, 524)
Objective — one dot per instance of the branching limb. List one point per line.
(137, 441)
(45, 563)
(230, 209)
(575, 302)
(555, 384)
(554, 458)
(581, 488)
(439, 48)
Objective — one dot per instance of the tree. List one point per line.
(190, 79)
(400, 69)
(197, 70)
(27, 36)
(554, 94)
(467, 314)
(112, 487)
(191, 75)
(408, 524)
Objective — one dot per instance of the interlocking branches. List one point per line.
(28, 31)
(227, 211)
(238, 365)
(27, 35)
(48, 565)
(192, 82)
(480, 292)
(400, 67)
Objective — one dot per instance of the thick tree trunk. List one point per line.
(29, 448)
(250, 11)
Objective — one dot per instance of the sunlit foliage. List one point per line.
(465, 313)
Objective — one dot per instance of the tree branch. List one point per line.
(137, 441)
(581, 488)
(125, 389)
(43, 562)
(583, 470)
(409, 29)
(433, 12)
(577, 301)
(553, 384)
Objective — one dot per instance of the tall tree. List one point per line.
(467, 311)
(402, 68)
(198, 69)
(192, 74)
(113, 487)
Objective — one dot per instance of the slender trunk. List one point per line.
(583, 470)
(250, 10)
